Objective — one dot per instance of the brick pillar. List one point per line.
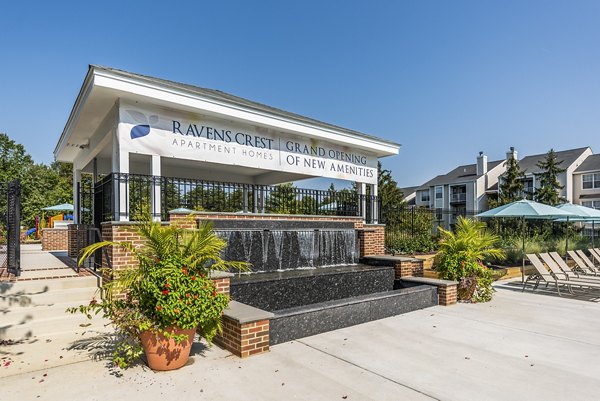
(372, 239)
(120, 259)
(447, 295)
(244, 339)
(78, 238)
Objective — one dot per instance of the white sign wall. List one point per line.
(195, 137)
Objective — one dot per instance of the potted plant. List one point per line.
(157, 306)
(461, 258)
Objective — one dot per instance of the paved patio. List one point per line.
(521, 346)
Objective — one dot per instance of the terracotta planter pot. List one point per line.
(164, 353)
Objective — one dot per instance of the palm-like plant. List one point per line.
(199, 250)
(461, 256)
(470, 241)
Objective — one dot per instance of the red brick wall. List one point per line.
(55, 239)
(244, 339)
(409, 268)
(372, 239)
(222, 285)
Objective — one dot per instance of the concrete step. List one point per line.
(37, 312)
(22, 300)
(55, 325)
(40, 353)
(32, 287)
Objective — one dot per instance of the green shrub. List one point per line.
(422, 244)
(461, 259)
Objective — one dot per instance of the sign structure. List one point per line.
(195, 137)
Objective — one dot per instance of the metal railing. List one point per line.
(458, 197)
(119, 196)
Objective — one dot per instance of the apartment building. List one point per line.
(463, 190)
(466, 189)
(586, 182)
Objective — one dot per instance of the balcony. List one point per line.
(456, 198)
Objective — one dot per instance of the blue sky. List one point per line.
(445, 79)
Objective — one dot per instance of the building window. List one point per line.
(591, 181)
(592, 204)
(439, 193)
(424, 196)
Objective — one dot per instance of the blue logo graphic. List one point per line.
(144, 123)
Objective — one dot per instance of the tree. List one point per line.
(282, 199)
(41, 185)
(390, 196)
(549, 190)
(512, 186)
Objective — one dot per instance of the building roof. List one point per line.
(568, 157)
(465, 173)
(408, 191)
(236, 100)
(591, 163)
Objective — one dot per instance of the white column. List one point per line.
(120, 164)
(156, 201)
(76, 194)
(375, 205)
(362, 191)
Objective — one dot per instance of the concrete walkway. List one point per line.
(521, 346)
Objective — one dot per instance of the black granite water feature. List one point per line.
(308, 302)
(272, 245)
(305, 273)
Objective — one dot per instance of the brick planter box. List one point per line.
(55, 239)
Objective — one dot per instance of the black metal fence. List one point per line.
(10, 224)
(406, 224)
(118, 196)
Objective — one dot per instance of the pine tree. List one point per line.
(549, 190)
(512, 185)
(390, 196)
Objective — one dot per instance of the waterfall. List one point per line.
(272, 250)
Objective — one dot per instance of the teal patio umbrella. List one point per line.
(526, 210)
(63, 207)
(581, 213)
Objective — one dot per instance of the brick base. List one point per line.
(55, 239)
(244, 339)
(447, 295)
(371, 239)
(408, 268)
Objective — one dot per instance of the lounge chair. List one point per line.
(587, 260)
(561, 270)
(543, 275)
(580, 272)
(595, 254)
(581, 264)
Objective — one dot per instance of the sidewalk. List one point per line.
(521, 346)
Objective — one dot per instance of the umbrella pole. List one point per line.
(523, 252)
(567, 243)
(593, 232)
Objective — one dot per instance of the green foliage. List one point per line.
(461, 257)
(390, 196)
(537, 244)
(41, 185)
(548, 192)
(282, 200)
(170, 287)
(411, 245)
